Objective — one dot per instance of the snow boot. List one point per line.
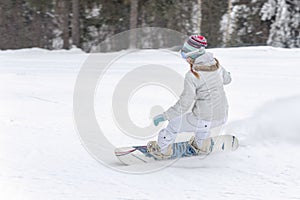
(154, 149)
(204, 147)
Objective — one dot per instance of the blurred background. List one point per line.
(62, 24)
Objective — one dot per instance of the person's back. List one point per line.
(210, 99)
(203, 86)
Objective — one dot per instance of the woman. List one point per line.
(203, 86)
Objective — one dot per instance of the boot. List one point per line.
(204, 148)
(154, 149)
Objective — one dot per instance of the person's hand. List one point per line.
(157, 119)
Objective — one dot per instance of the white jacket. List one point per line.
(207, 92)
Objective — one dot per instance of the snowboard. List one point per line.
(139, 154)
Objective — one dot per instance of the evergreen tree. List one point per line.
(246, 27)
(56, 24)
(285, 18)
(212, 12)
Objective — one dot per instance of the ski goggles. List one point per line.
(191, 54)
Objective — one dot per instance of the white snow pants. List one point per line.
(183, 123)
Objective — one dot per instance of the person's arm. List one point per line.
(185, 101)
(226, 76)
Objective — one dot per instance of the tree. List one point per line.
(199, 16)
(284, 16)
(212, 12)
(228, 22)
(26, 23)
(243, 25)
(133, 22)
(63, 13)
(75, 23)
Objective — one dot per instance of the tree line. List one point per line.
(61, 24)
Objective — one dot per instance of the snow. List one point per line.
(41, 155)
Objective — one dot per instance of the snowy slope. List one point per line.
(41, 155)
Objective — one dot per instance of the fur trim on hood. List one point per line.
(207, 68)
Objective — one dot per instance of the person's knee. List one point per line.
(173, 126)
(203, 132)
(165, 136)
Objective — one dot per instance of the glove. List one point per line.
(158, 119)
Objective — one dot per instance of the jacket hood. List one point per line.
(206, 62)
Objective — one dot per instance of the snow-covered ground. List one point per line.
(42, 157)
